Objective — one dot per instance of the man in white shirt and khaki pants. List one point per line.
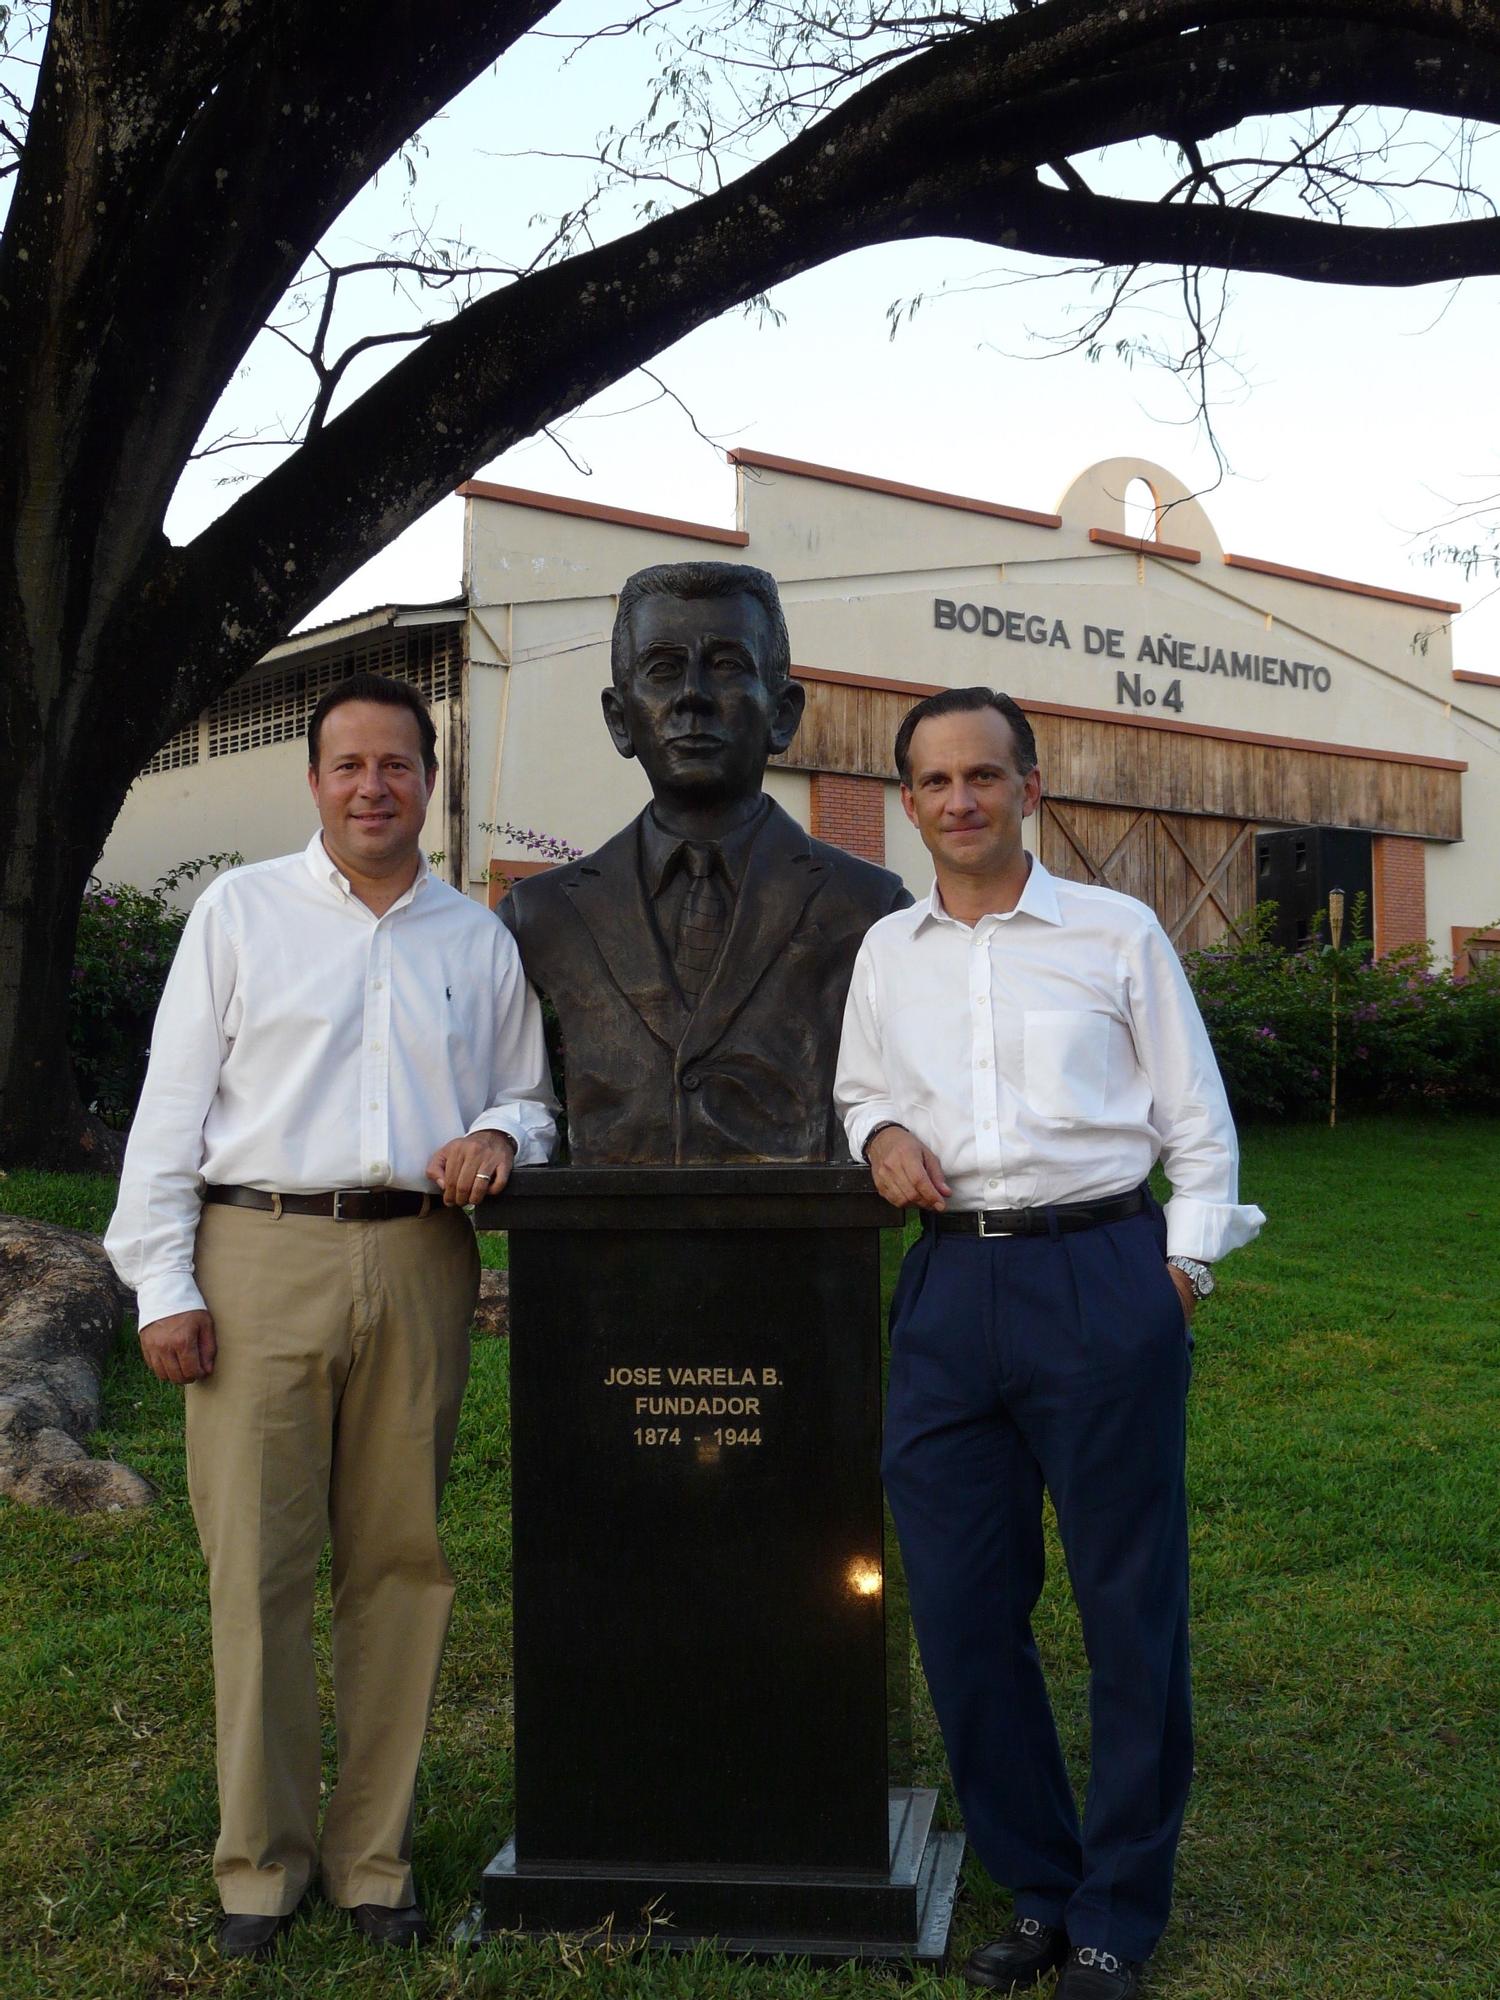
(346, 1053)
(1018, 1052)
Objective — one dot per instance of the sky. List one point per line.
(1358, 422)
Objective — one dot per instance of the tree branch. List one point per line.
(1112, 229)
(947, 142)
(298, 104)
(976, 115)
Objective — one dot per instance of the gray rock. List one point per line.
(61, 1308)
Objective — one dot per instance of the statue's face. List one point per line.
(697, 707)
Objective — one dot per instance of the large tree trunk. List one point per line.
(43, 1119)
(60, 786)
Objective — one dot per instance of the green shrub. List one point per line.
(1408, 1037)
(126, 938)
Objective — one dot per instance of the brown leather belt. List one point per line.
(343, 1204)
(1069, 1215)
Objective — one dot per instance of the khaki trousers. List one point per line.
(330, 1416)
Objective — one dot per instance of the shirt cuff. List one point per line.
(859, 1125)
(1209, 1229)
(532, 1150)
(173, 1292)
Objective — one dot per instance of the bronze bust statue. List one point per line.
(699, 960)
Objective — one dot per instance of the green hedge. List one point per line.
(126, 938)
(1408, 1037)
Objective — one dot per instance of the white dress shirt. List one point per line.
(1053, 1053)
(304, 1044)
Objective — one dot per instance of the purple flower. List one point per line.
(547, 844)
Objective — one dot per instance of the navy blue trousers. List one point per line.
(1057, 1362)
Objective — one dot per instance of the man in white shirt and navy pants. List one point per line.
(346, 1053)
(1018, 1052)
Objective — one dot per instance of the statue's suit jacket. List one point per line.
(745, 1075)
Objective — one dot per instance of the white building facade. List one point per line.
(1187, 701)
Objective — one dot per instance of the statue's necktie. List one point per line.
(701, 922)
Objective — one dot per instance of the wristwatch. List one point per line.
(1199, 1276)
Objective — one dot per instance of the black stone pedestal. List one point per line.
(700, 1668)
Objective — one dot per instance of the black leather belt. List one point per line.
(1069, 1215)
(343, 1204)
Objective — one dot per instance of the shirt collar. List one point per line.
(660, 849)
(1038, 899)
(323, 870)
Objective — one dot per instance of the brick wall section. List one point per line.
(1485, 943)
(1399, 867)
(505, 874)
(849, 813)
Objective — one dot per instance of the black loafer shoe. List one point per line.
(250, 1937)
(1028, 1951)
(405, 1929)
(1091, 1974)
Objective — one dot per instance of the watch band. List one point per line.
(1197, 1273)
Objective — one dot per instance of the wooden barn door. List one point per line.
(1197, 873)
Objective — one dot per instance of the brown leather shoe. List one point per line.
(1028, 1951)
(250, 1937)
(406, 1929)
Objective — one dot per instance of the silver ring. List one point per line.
(484, 1177)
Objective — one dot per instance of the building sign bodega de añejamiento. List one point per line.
(1164, 651)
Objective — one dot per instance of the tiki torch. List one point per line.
(1336, 938)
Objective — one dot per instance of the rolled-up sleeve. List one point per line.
(1190, 1111)
(861, 1094)
(151, 1235)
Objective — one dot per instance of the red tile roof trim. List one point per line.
(834, 476)
(1171, 550)
(1341, 583)
(590, 510)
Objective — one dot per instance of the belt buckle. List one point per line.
(991, 1232)
(338, 1204)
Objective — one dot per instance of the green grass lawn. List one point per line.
(1344, 1833)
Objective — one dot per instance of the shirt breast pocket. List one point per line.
(1067, 1063)
(466, 1011)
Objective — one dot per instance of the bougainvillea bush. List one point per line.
(126, 938)
(1408, 1036)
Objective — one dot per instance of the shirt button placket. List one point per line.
(986, 1089)
(375, 1149)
